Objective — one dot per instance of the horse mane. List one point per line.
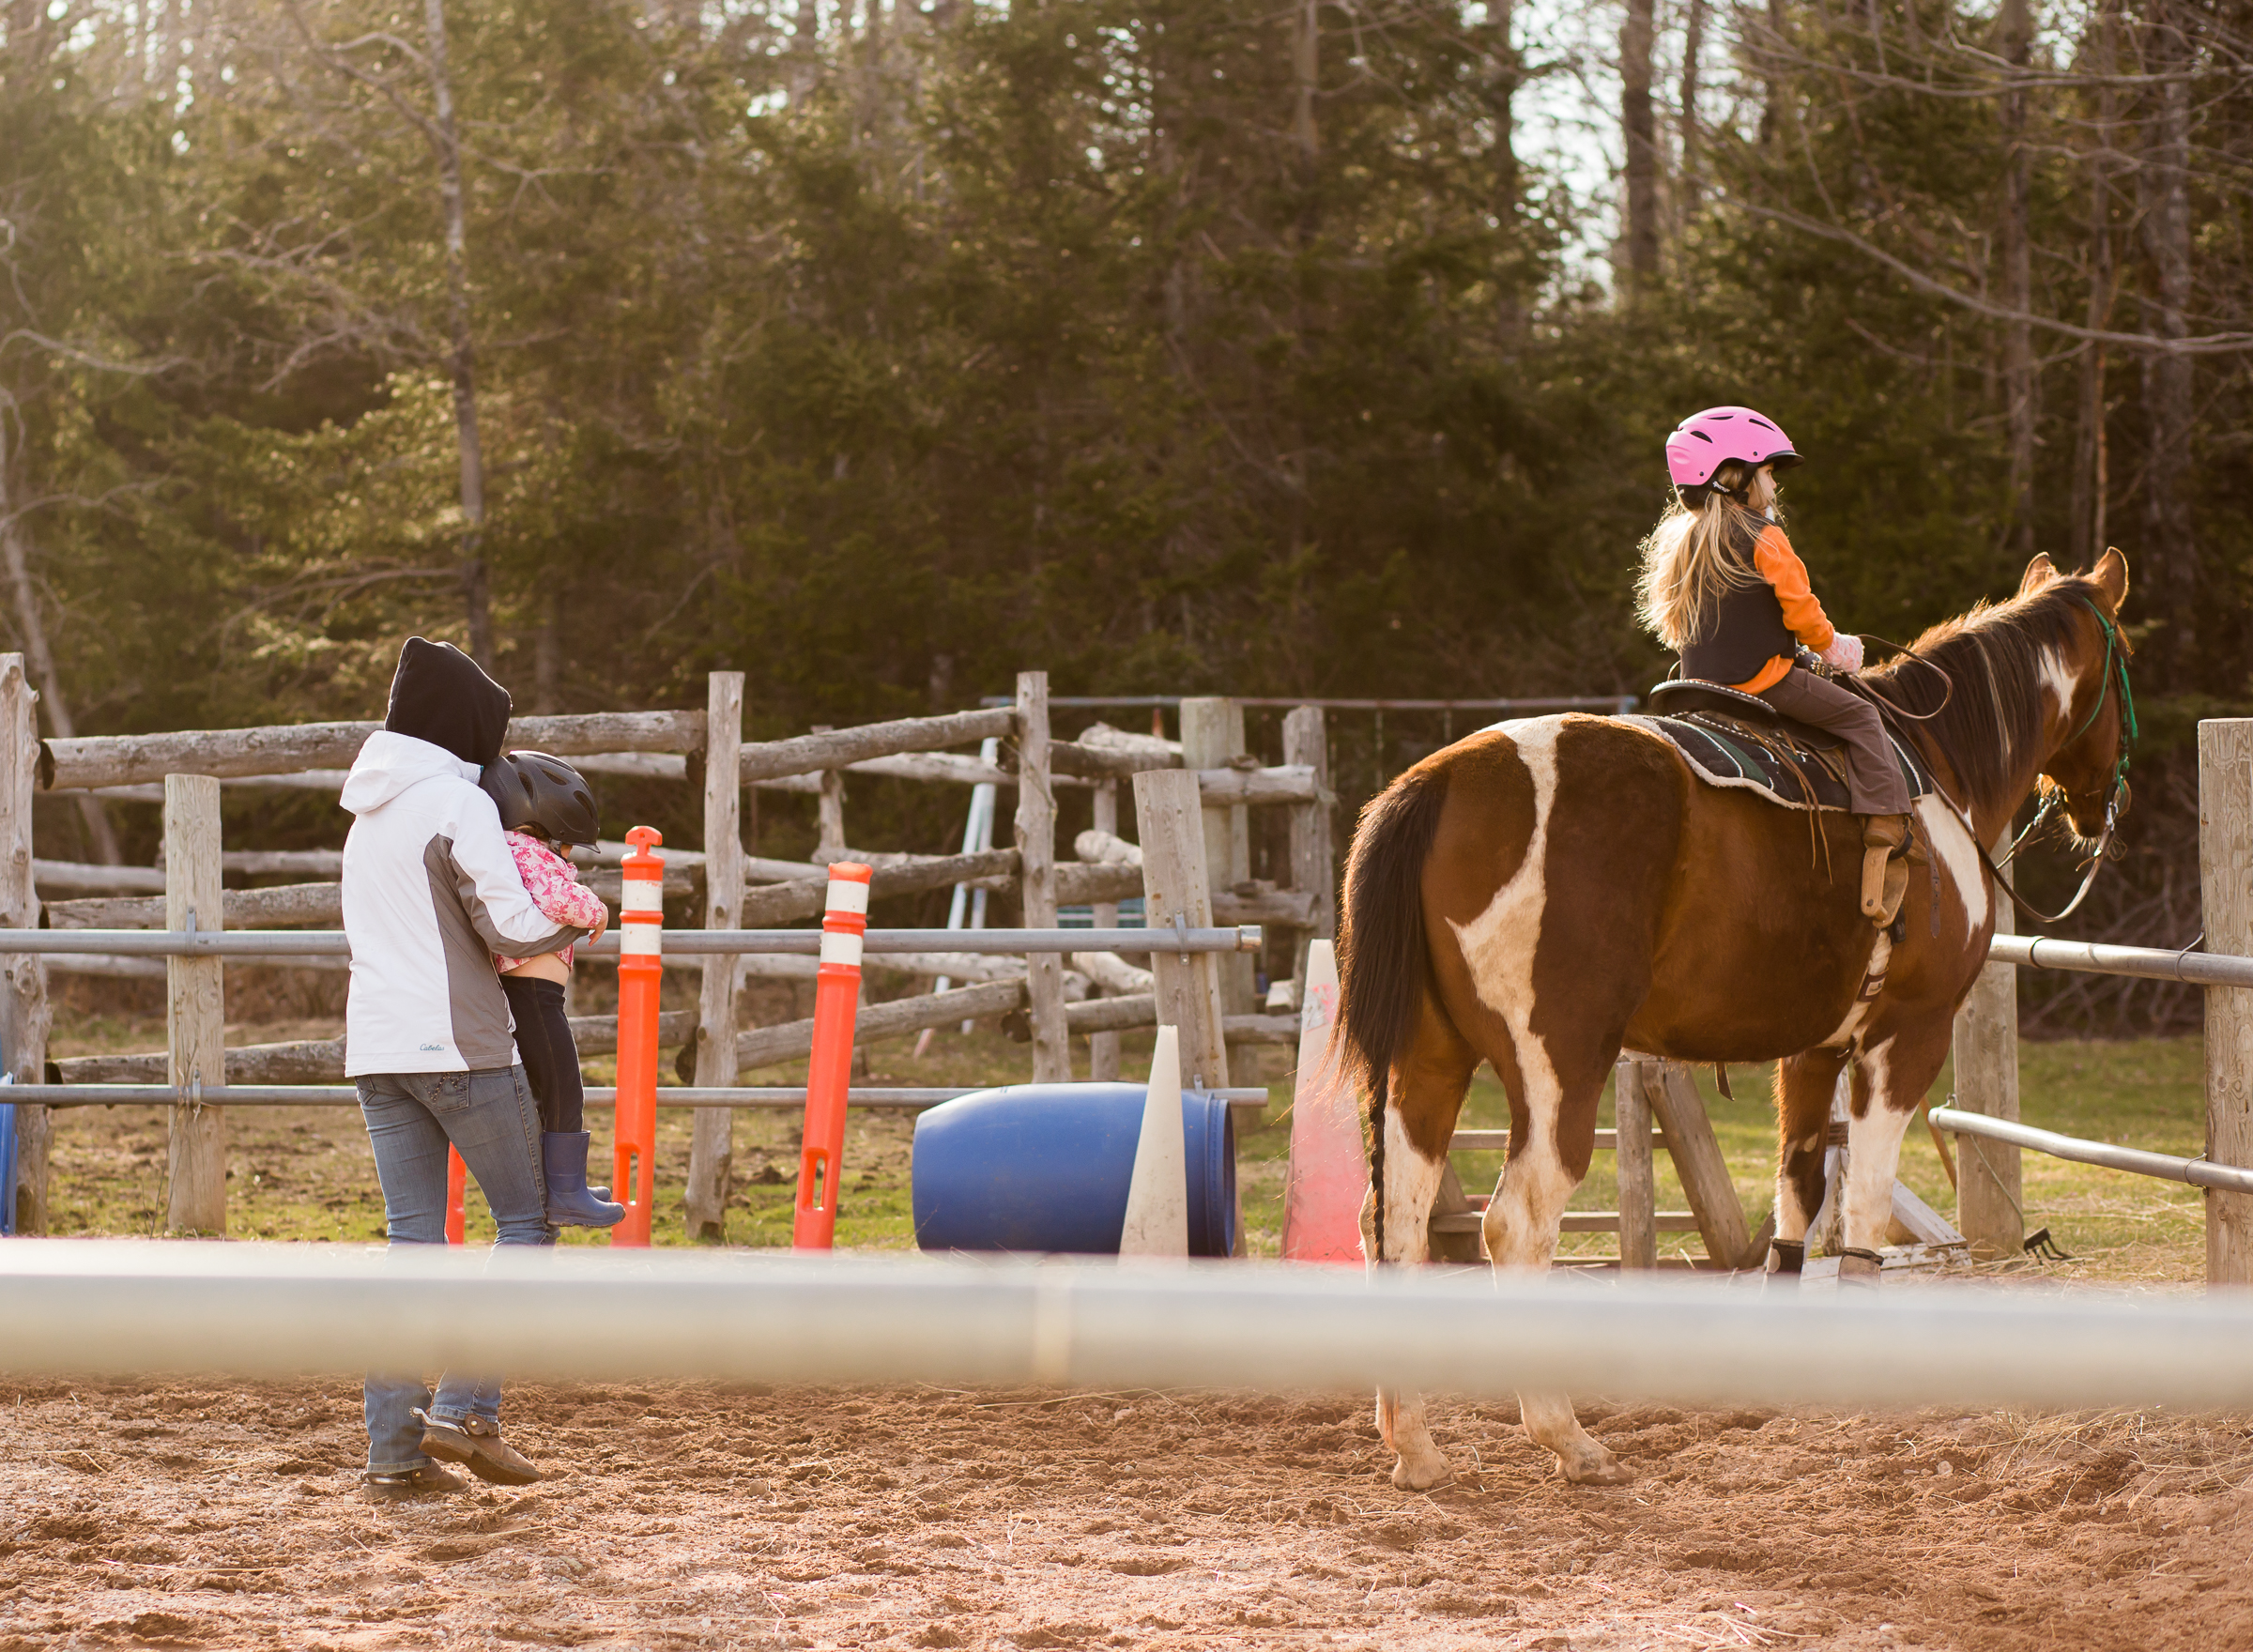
(1993, 656)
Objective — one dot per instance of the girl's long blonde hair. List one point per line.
(1687, 567)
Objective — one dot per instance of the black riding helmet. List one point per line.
(531, 789)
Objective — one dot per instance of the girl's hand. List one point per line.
(1844, 652)
(600, 924)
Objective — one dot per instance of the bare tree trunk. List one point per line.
(2163, 187)
(2091, 455)
(805, 44)
(1693, 46)
(1769, 59)
(476, 588)
(2017, 277)
(39, 657)
(1641, 131)
(1509, 311)
(1305, 73)
(547, 657)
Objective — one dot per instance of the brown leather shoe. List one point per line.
(477, 1446)
(409, 1485)
(1887, 850)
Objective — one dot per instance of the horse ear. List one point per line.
(2039, 572)
(2111, 576)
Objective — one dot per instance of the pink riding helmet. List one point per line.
(1701, 441)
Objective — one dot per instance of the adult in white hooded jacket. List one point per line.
(431, 894)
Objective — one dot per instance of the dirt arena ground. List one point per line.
(697, 1516)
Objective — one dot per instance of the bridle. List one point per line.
(2115, 670)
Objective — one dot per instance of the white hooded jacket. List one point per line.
(431, 895)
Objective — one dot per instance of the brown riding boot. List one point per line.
(1884, 867)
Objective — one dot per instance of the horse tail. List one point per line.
(1382, 962)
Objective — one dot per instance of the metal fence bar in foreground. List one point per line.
(2201, 969)
(2199, 1172)
(126, 1307)
(679, 942)
(783, 1095)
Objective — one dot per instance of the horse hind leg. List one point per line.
(1552, 1133)
(1428, 1085)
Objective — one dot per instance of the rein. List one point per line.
(2115, 667)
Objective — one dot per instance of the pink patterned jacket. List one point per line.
(554, 889)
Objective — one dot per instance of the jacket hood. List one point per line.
(439, 695)
(390, 763)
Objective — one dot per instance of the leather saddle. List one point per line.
(1739, 742)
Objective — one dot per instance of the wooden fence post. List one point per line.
(195, 1006)
(1103, 1048)
(1170, 820)
(1988, 1203)
(1036, 853)
(711, 1129)
(1638, 1181)
(23, 1013)
(1212, 737)
(1698, 1161)
(1313, 862)
(2226, 880)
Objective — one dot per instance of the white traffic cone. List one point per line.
(1157, 1199)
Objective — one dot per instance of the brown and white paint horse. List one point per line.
(1550, 889)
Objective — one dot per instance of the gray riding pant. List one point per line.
(1873, 782)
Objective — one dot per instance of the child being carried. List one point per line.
(545, 803)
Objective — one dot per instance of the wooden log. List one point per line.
(1988, 1180)
(1037, 871)
(1262, 1028)
(1169, 823)
(321, 1060)
(766, 905)
(267, 863)
(78, 877)
(829, 844)
(1313, 857)
(1103, 1048)
(1096, 762)
(303, 906)
(126, 759)
(1454, 1230)
(635, 765)
(1290, 784)
(1498, 1141)
(1638, 1188)
(195, 1006)
(791, 1041)
(1082, 883)
(1673, 1099)
(1290, 908)
(25, 1015)
(2226, 879)
(711, 1131)
(811, 752)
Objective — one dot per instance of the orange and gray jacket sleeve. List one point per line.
(1780, 565)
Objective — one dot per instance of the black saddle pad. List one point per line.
(1781, 760)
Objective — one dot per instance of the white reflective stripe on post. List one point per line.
(848, 894)
(641, 941)
(642, 894)
(841, 947)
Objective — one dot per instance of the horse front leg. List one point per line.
(1550, 1143)
(1428, 1089)
(1805, 1084)
(1891, 1077)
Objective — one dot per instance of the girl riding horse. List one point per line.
(1552, 890)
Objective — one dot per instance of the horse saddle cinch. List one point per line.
(1739, 739)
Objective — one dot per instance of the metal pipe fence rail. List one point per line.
(683, 1096)
(2198, 1172)
(2200, 969)
(258, 943)
(111, 1307)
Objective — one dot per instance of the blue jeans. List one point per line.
(411, 1119)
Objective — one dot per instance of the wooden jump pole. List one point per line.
(1037, 858)
(712, 1130)
(194, 1007)
(24, 1015)
(1990, 1201)
(2225, 881)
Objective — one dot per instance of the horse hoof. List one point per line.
(1421, 1476)
(1603, 1469)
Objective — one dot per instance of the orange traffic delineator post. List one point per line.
(1329, 1166)
(837, 1000)
(640, 966)
(458, 1190)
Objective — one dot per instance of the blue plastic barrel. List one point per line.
(1045, 1168)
